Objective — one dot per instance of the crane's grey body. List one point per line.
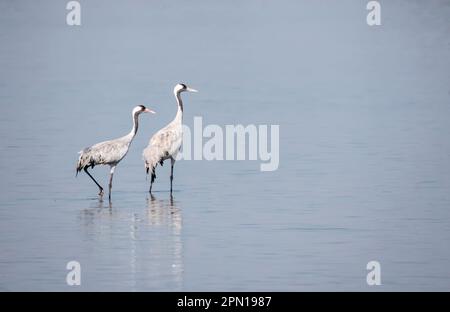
(104, 153)
(166, 143)
(109, 152)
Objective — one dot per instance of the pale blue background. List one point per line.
(364, 145)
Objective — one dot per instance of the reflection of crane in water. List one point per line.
(166, 216)
(164, 212)
(152, 246)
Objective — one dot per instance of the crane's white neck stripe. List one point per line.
(179, 100)
(134, 130)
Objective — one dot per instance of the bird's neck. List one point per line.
(179, 116)
(135, 127)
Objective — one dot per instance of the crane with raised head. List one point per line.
(109, 152)
(166, 143)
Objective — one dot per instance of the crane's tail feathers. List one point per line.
(79, 167)
(147, 169)
(85, 160)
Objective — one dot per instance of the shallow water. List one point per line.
(364, 151)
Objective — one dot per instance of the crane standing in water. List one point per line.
(166, 143)
(109, 152)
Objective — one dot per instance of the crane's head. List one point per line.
(142, 109)
(181, 87)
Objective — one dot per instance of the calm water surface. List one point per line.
(364, 145)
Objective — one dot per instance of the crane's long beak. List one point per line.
(191, 90)
(149, 111)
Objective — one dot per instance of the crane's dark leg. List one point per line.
(101, 188)
(152, 179)
(151, 182)
(172, 162)
(110, 181)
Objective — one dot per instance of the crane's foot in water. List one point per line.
(101, 193)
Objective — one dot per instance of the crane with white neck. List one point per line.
(109, 152)
(166, 143)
